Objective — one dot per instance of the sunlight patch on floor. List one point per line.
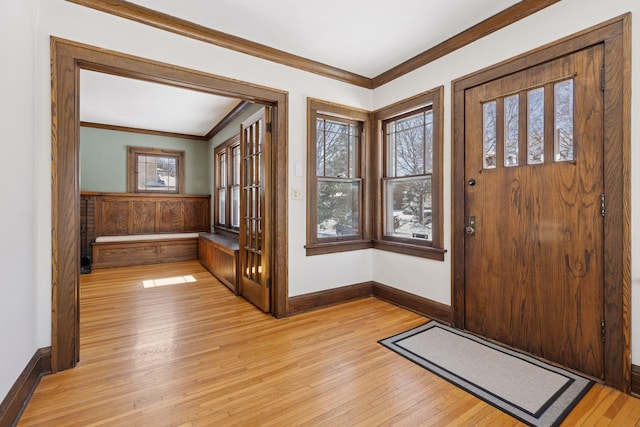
(155, 283)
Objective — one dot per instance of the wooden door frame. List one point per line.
(615, 35)
(67, 59)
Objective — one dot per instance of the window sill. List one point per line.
(412, 250)
(226, 231)
(334, 247)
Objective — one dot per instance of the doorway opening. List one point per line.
(68, 58)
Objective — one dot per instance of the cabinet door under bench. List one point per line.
(220, 255)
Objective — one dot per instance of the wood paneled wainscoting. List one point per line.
(219, 254)
(157, 219)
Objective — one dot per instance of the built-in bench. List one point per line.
(139, 229)
(219, 254)
(142, 249)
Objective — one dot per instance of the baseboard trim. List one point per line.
(14, 403)
(314, 300)
(635, 380)
(415, 303)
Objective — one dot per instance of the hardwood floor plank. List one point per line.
(193, 354)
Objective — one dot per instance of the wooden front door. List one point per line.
(534, 206)
(255, 235)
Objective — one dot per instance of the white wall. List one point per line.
(427, 278)
(69, 21)
(432, 279)
(17, 116)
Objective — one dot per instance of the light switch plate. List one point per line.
(296, 194)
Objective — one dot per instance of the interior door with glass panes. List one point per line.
(533, 210)
(255, 230)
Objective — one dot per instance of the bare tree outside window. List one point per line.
(563, 100)
(338, 186)
(489, 134)
(408, 201)
(535, 126)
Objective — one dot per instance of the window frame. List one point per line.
(321, 109)
(132, 168)
(408, 246)
(226, 148)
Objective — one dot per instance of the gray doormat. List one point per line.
(532, 391)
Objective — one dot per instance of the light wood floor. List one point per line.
(192, 354)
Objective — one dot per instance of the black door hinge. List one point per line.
(602, 331)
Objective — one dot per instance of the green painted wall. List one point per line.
(103, 159)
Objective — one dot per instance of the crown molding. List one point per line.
(143, 131)
(490, 25)
(163, 21)
(143, 15)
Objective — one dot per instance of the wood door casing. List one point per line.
(255, 217)
(534, 267)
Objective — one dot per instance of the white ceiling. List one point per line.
(366, 37)
(119, 101)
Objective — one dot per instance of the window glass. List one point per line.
(336, 191)
(511, 130)
(408, 141)
(563, 117)
(152, 170)
(409, 201)
(489, 126)
(227, 182)
(338, 208)
(535, 126)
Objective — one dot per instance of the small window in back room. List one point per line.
(153, 170)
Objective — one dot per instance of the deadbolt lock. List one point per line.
(470, 228)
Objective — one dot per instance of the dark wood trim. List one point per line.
(415, 303)
(496, 22)
(435, 251)
(142, 131)
(186, 28)
(335, 247)
(67, 59)
(412, 250)
(15, 401)
(635, 380)
(227, 148)
(301, 303)
(226, 120)
(314, 245)
(614, 35)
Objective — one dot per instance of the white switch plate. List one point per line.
(296, 194)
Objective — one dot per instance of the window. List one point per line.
(152, 170)
(409, 177)
(337, 191)
(227, 185)
(529, 122)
